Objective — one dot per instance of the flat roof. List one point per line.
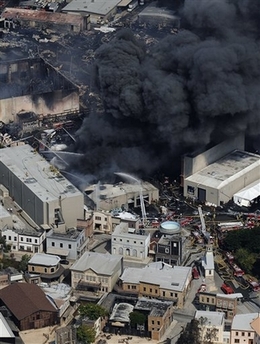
(101, 263)
(157, 308)
(242, 321)
(211, 318)
(36, 173)
(102, 7)
(226, 169)
(44, 259)
(123, 230)
(170, 278)
(112, 191)
(43, 16)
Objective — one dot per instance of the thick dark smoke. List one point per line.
(191, 89)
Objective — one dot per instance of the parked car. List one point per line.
(227, 289)
(195, 273)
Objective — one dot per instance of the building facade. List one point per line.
(159, 281)
(39, 190)
(96, 272)
(126, 243)
(24, 240)
(70, 244)
(245, 328)
(211, 326)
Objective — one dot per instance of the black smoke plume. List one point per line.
(190, 89)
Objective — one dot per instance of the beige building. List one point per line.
(157, 280)
(211, 326)
(245, 329)
(96, 272)
(122, 195)
(160, 315)
(99, 11)
(47, 266)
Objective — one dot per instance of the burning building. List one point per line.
(33, 86)
(44, 19)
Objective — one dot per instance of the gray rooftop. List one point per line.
(170, 278)
(36, 173)
(226, 169)
(211, 318)
(44, 259)
(103, 264)
(123, 230)
(242, 321)
(101, 7)
(156, 308)
(112, 191)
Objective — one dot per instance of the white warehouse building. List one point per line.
(40, 190)
(216, 175)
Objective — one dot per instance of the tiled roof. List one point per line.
(24, 299)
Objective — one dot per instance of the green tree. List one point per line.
(92, 311)
(191, 333)
(137, 318)
(86, 334)
(246, 259)
(24, 262)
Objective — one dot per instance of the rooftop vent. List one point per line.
(30, 180)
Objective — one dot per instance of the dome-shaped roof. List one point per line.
(170, 227)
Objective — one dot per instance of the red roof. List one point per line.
(24, 299)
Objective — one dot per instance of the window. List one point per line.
(5, 237)
(114, 239)
(9, 237)
(15, 238)
(98, 218)
(144, 288)
(53, 243)
(105, 218)
(133, 286)
(61, 244)
(243, 333)
(171, 294)
(28, 240)
(128, 286)
(35, 241)
(249, 334)
(32, 268)
(236, 333)
(210, 272)
(127, 240)
(156, 291)
(134, 242)
(69, 246)
(175, 244)
(14, 247)
(158, 322)
(45, 270)
(151, 290)
(153, 322)
(120, 239)
(163, 293)
(52, 269)
(141, 243)
(207, 299)
(190, 190)
(176, 294)
(237, 340)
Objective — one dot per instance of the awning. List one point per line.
(245, 196)
(58, 251)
